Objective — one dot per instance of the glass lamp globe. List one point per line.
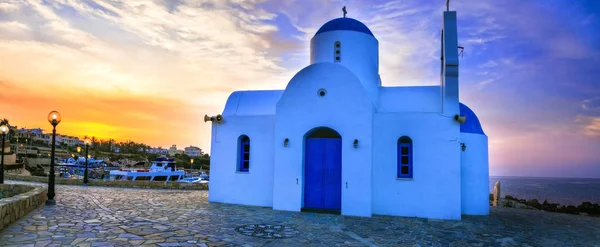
(3, 129)
(54, 118)
(78, 149)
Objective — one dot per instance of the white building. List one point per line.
(336, 139)
(158, 150)
(173, 150)
(193, 151)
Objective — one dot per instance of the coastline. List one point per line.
(564, 191)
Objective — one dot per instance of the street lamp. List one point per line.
(3, 131)
(85, 172)
(192, 166)
(54, 119)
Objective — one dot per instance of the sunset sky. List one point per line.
(149, 70)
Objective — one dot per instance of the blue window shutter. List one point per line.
(409, 160)
(405, 160)
(244, 164)
(399, 162)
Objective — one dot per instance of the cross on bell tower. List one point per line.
(344, 10)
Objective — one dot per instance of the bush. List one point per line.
(589, 208)
(550, 207)
(585, 207)
(534, 203)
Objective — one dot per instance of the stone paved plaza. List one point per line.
(101, 216)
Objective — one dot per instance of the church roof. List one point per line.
(252, 103)
(347, 24)
(472, 124)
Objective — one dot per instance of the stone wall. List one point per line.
(39, 161)
(24, 199)
(113, 183)
(9, 190)
(10, 158)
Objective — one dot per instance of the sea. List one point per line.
(564, 191)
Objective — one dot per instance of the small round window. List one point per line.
(322, 92)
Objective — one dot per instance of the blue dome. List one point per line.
(347, 24)
(472, 124)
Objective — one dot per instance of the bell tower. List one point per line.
(449, 64)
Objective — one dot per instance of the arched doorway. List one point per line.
(322, 170)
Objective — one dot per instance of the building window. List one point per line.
(337, 52)
(322, 92)
(244, 154)
(405, 157)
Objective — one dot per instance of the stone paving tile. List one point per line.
(100, 216)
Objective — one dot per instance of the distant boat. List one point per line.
(91, 161)
(162, 169)
(194, 180)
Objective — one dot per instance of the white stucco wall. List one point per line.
(346, 109)
(359, 53)
(434, 191)
(226, 183)
(475, 174)
(423, 99)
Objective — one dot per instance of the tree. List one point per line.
(94, 141)
(110, 143)
(11, 131)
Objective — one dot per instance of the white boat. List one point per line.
(162, 169)
(194, 180)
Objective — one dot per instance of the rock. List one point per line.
(497, 194)
(506, 241)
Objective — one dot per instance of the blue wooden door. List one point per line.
(313, 179)
(323, 173)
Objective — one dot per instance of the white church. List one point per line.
(336, 140)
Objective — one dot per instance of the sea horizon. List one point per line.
(561, 190)
(520, 176)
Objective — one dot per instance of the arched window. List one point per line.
(244, 154)
(405, 157)
(337, 52)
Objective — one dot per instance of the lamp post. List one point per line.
(3, 130)
(192, 166)
(54, 119)
(85, 172)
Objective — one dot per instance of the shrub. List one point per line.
(534, 203)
